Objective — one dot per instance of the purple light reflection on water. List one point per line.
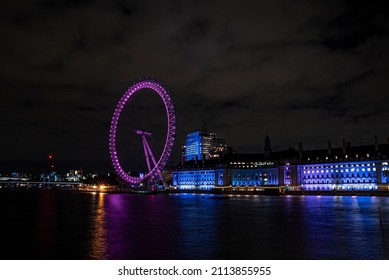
(124, 226)
(140, 227)
(160, 227)
(247, 227)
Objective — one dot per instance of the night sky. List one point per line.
(301, 71)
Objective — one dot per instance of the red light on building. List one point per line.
(50, 156)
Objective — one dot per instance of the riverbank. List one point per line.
(284, 192)
(272, 192)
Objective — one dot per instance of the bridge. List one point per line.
(67, 186)
(38, 184)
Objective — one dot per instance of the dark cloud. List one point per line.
(86, 108)
(64, 4)
(358, 22)
(26, 104)
(194, 30)
(307, 71)
(363, 117)
(127, 8)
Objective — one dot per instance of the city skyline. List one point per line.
(299, 72)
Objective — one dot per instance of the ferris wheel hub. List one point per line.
(141, 132)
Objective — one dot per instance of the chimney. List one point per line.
(301, 150)
(183, 160)
(329, 148)
(344, 146)
(376, 143)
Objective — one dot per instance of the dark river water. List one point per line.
(72, 225)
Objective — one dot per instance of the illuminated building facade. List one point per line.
(385, 173)
(203, 179)
(74, 175)
(251, 171)
(361, 168)
(359, 175)
(203, 145)
(193, 146)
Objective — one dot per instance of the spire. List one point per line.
(267, 150)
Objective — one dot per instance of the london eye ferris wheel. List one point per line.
(132, 121)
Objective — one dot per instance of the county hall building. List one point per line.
(209, 164)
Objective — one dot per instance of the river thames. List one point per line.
(75, 225)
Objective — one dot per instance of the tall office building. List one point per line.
(202, 144)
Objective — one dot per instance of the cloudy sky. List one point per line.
(301, 71)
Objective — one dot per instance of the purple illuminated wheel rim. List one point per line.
(171, 129)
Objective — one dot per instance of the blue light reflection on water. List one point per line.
(345, 227)
(188, 226)
(58, 225)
